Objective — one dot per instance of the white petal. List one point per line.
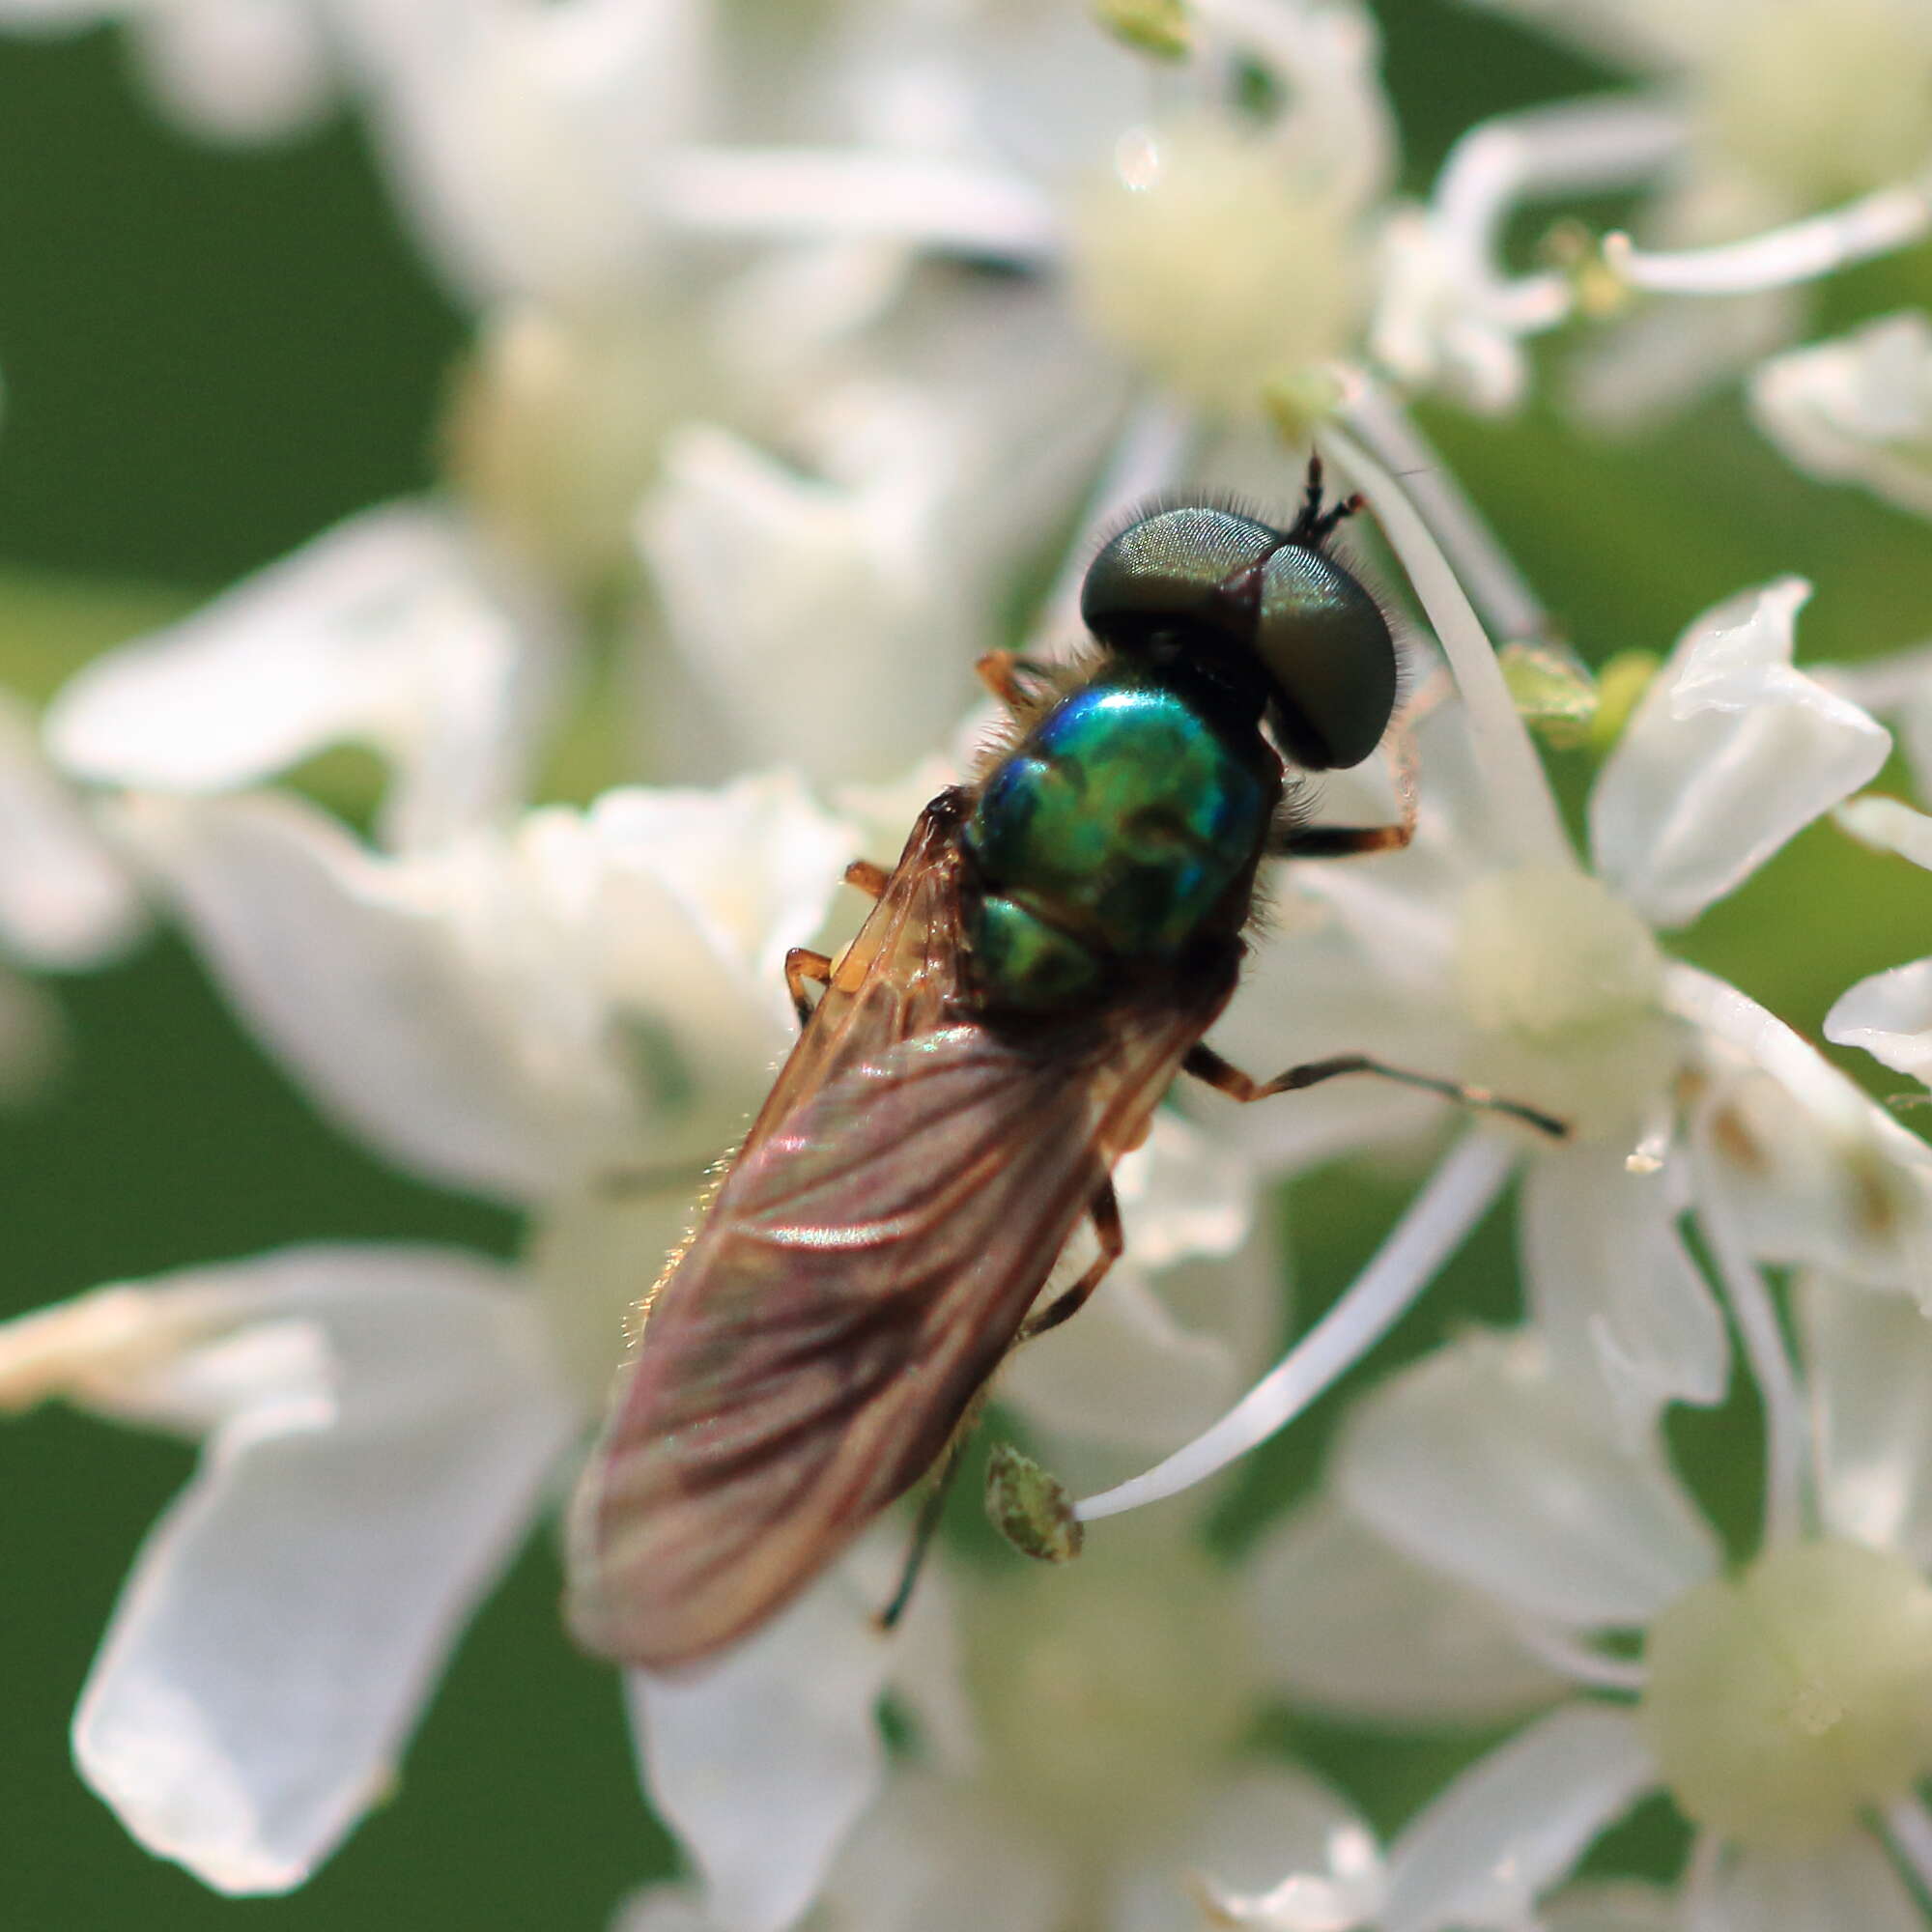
(752, 864)
(1625, 1314)
(289, 1612)
(1612, 1905)
(238, 70)
(663, 1907)
(1888, 824)
(1850, 1887)
(1478, 1461)
(1344, 1623)
(764, 1761)
(1731, 752)
(933, 1855)
(1269, 1823)
(368, 995)
(1455, 1197)
(823, 616)
(1815, 1170)
(64, 900)
(382, 632)
(1183, 1194)
(1868, 1358)
(1516, 1822)
(1857, 409)
(522, 140)
(1177, 1328)
(1126, 1374)
(1888, 1014)
(175, 1352)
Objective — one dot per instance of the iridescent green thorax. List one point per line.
(1110, 839)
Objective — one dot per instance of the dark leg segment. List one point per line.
(939, 1486)
(1341, 841)
(1204, 1063)
(1105, 1208)
(1348, 841)
(802, 964)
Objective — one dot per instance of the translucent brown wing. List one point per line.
(866, 1263)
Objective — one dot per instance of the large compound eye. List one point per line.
(1328, 654)
(1174, 569)
(1318, 637)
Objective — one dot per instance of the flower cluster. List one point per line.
(811, 353)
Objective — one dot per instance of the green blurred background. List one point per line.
(209, 356)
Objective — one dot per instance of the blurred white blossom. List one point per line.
(1857, 409)
(228, 70)
(1809, 99)
(65, 902)
(1783, 110)
(1775, 1707)
(1091, 1762)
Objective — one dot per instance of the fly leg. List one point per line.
(1204, 1063)
(1341, 842)
(802, 964)
(1006, 674)
(1105, 1209)
(932, 1506)
(1289, 840)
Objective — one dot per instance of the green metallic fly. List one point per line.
(1055, 938)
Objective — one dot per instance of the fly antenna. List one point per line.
(1314, 526)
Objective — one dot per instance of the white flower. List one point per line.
(381, 1426)
(231, 70)
(522, 135)
(1775, 1707)
(1809, 99)
(386, 632)
(1446, 314)
(66, 904)
(1486, 954)
(378, 1425)
(1216, 252)
(1095, 1766)
(1781, 110)
(571, 1019)
(1857, 409)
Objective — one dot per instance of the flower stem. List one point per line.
(1523, 809)
(1875, 224)
(1438, 1220)
(1499, 591)
(1582, 147)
